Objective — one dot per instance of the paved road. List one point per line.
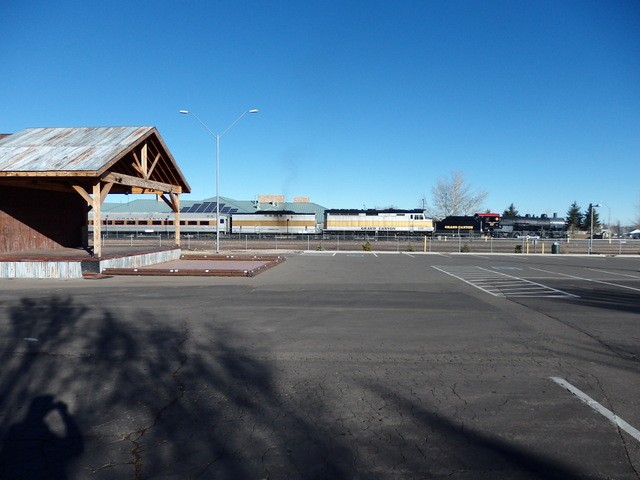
(347, 366)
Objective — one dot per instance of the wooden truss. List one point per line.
(146, 167)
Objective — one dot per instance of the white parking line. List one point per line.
(608, 414)
(500, 284)
(614, 273)
(589, 279)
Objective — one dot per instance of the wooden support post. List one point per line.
(97, 221)
(174, 202)
(176, 215)
(143, 154)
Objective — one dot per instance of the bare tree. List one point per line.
(454, 196)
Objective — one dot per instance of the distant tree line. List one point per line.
(576, 219)
(452, 195)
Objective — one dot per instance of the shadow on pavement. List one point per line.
(33, 450)
(470, 453)
(607, 299)
(144, 398)
(137, 396)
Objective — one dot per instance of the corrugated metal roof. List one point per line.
(297, 207)
(137, 206)
(66, 149)
(243, 206)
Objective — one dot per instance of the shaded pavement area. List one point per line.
(323, 368)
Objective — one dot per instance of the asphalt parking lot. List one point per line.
(337, 366)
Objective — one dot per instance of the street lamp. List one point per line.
(608, 220)
(591, 207)
(218, 137)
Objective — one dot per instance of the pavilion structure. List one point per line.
(53, 179)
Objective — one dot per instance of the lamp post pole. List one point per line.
(218, 137)
(608, 220)
(591, 207)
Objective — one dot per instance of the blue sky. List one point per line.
(361, 102)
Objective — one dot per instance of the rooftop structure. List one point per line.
(75, 168)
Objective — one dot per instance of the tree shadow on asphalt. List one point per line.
(457, 447)
(610, 329)
(150, 400)
(607, 299)
(153, 397)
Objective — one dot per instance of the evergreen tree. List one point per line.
(574, 217)
(586, 222)
(511, 211)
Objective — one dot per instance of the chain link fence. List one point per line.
(404, 244)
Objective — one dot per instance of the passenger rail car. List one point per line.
(267, 223)
(159, 223)
(402, 222)
(274, 223)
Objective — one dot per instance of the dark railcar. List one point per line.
(466, 225)
(529, 225)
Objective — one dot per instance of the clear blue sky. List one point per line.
(361, 102)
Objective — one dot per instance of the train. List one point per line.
(503, 226)
(370, 222)
(409, 222)
(544, 226)
(480, 224)
(273, 222)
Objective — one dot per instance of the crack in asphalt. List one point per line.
(618, 429)
(136, 436)
(613, 350)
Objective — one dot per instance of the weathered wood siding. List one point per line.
(75, 269)
(35, 219)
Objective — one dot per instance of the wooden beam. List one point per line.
(144, 161)
(153, 166)
(105, 191)
(137, 165)
(174, 202)
(97, 221)
(83, 193)
(145, 191)
(175, 199)
(122, 179)
(167, 201)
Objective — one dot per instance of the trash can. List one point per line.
(555, 248)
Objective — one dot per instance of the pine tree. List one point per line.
(574, 217)
(586, 222)
(511, 211)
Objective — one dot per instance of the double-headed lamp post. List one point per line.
(218, 137)
(591, 207)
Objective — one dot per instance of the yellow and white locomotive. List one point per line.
(376, 221)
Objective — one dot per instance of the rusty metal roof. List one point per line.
(75, 149)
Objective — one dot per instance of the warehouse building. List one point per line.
(140, 216)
